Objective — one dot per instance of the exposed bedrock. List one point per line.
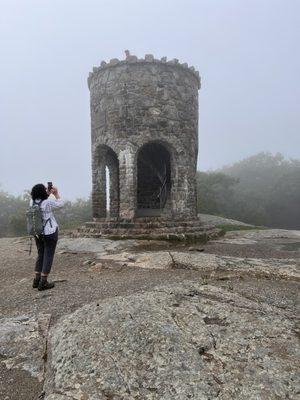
(190, 341)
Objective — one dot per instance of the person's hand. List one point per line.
(54, 191)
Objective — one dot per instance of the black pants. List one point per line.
(46, 245)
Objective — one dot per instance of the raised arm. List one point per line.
(57, 202)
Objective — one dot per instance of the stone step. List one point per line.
(136, 230)
(204, 236)
(144, 219)
(143, 225)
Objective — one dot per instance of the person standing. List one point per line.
(46, 242)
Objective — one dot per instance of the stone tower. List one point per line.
(144, 128)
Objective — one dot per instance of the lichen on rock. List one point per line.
(188, 341)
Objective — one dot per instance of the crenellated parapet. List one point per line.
(149, 58)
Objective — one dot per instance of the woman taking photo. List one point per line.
(46, 242)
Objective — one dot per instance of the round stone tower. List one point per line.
(144, 127)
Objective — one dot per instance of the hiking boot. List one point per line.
(44, 285)
(36, 282)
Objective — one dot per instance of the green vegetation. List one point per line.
(261, 190)
(295, 246)
(228, 228)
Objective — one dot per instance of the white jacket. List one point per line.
(47, 213)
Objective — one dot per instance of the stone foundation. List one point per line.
(149, 229)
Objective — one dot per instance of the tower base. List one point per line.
(149, 228)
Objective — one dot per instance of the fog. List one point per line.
(247, 53)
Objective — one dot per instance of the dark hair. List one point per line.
(39, 192)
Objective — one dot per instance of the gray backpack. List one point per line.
(34, 217)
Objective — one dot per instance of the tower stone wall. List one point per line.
(144, 129)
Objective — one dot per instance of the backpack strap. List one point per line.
(36, 203)
(30, 246)
(49, 219)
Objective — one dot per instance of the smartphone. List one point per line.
(50, 186)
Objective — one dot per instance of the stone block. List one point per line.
(131, 59)
(173, 61)
(149, 57)
(114, 61)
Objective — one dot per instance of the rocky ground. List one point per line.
(215, 220)
(153, 320)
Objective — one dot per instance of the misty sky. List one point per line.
(247, 52)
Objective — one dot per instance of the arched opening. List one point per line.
(153, 180)
(106, 183)
(107, 192)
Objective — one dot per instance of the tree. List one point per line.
(215, 192)
(263, 189)
(268, 191)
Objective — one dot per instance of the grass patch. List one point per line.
(229, 228)
(291, 246)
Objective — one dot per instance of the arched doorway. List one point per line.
(153, 180)
(106, 183)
